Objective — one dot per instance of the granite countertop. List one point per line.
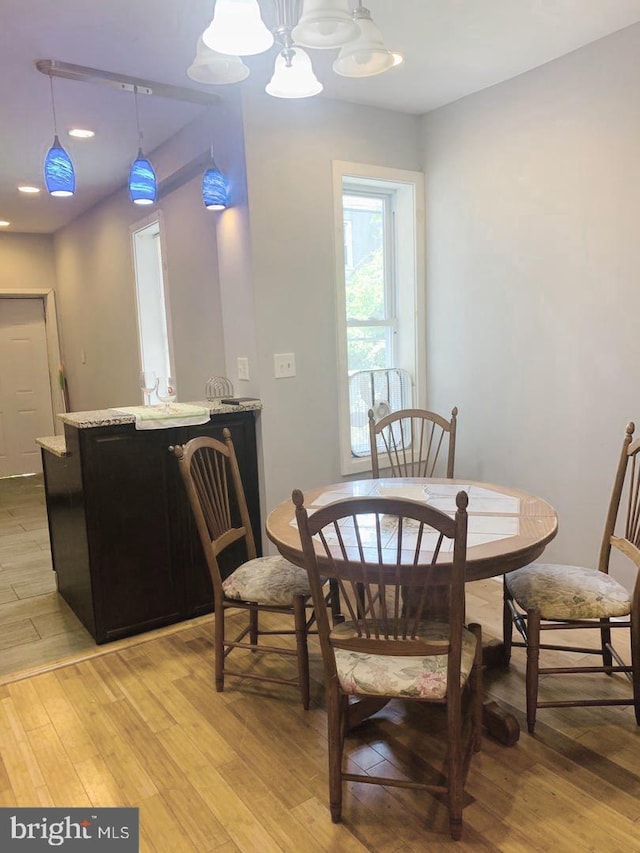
(55, 444)
(112, 417)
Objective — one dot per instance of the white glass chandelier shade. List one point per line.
(215, 68)
(325, 24)
(296, 80)
(237, 29)
(367, 55)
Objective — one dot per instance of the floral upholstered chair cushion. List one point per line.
(388, 675)
(568, 592)
(267, 580)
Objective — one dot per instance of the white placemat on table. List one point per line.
(158, 417)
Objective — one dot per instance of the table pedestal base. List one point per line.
(500, 724)
(361, 709)
(493, 656)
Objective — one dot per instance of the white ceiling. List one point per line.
(451, 48)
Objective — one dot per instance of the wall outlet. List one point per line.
(243, 369)
(284, 365)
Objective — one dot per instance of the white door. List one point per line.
(25, 394)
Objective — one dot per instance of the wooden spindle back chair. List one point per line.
(211, 476)
(382, 552)
(413, 443)
(541, 597)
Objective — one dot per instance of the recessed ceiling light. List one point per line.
(81, 133)
(4, 223)
(28, 188)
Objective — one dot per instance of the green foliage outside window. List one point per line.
(366, 347)
(365, 289)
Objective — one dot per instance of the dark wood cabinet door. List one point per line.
(128, 487)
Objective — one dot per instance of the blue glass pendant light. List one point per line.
(215, 190)
(143, 186)
(59, 176)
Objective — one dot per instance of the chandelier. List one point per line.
(238, 30)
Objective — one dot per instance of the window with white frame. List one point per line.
(380, 300)
(151, 299)
(369, 282)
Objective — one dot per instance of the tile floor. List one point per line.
(36, 625)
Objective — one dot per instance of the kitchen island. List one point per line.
(124, 546)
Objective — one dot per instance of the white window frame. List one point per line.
(409, 263)
(155, 219)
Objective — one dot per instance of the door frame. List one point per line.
(54, 358)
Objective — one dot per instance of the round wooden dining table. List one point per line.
(507, 529)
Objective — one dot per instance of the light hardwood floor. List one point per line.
(139, 723)
(246, 769)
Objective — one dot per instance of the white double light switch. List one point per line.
(284, 365)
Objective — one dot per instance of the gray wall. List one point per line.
(96, 291)
(289, 151)
(532, 279)
(234, 254)
(27, 262)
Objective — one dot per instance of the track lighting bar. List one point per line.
(54, 68)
